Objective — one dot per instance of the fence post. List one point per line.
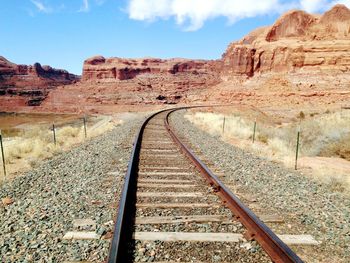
(84, 120)
(297, 150)
(3, 155)
(223, 125)
(254, 131)
(54, 134)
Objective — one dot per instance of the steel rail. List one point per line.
(122, 235)
(256, 229)
(119, 250)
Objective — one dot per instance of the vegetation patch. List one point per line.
(322, 135)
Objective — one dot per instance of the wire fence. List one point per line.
(305, 135)
(319, 147)
(40, 139)
(263, 138)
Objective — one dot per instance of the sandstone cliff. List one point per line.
(112, 69)
(31, 82)
(298, 41)
(149, 80)
(301, 56)
(32, 76)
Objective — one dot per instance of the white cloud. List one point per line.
(195, 12)
(191, 14)
(41, 7)
(55, 6)
(85, 7)
(344, 2)
(314, 6)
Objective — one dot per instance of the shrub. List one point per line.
(324, 135)
(263, 138)
(37, 143)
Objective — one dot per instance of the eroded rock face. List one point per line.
(300, 51)
(292, 24)
(36, 75)
(108, 82)
(297, 41)
(114, 69)
(31, 82)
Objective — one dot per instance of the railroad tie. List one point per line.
(217, 237)
(84, 229)
(177, 205)
(178, 197)
(170, 194)
(180, 219)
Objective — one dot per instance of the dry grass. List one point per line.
(321, 132)
(327, 134)
(240, 131)
(213, 123)
(339, 148)
(36, 144)
(337, 181)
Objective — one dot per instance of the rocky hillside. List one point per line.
(314, 51)
(298, 41)
(114, 69)
(32, 76)
(31, 82)
(118, 81)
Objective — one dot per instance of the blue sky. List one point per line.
(63, 33)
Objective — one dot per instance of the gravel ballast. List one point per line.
(82, 183)
(306, 206)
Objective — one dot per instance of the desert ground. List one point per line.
(271, 117)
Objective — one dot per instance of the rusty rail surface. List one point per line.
(122, 234)
(256, 229)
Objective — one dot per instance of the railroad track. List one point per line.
(173, 208)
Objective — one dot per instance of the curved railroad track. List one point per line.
(172, 199)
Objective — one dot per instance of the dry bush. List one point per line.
(330, 131)
(213, 123)
(324, 130)
(279, 147)
(68, 136)
(22, 148)
(317, 134)
(339, 148)
(322, 135)
(34, 132)
(104, 128)
(263, 138)
(337, 181)
(68, 131)
(37, 143)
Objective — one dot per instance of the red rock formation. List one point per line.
(297, 41)
(108, 82)
(31, 81)
(36, 75)
(334, 24)
(300, 51)
(113, 69)
(293, 24)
